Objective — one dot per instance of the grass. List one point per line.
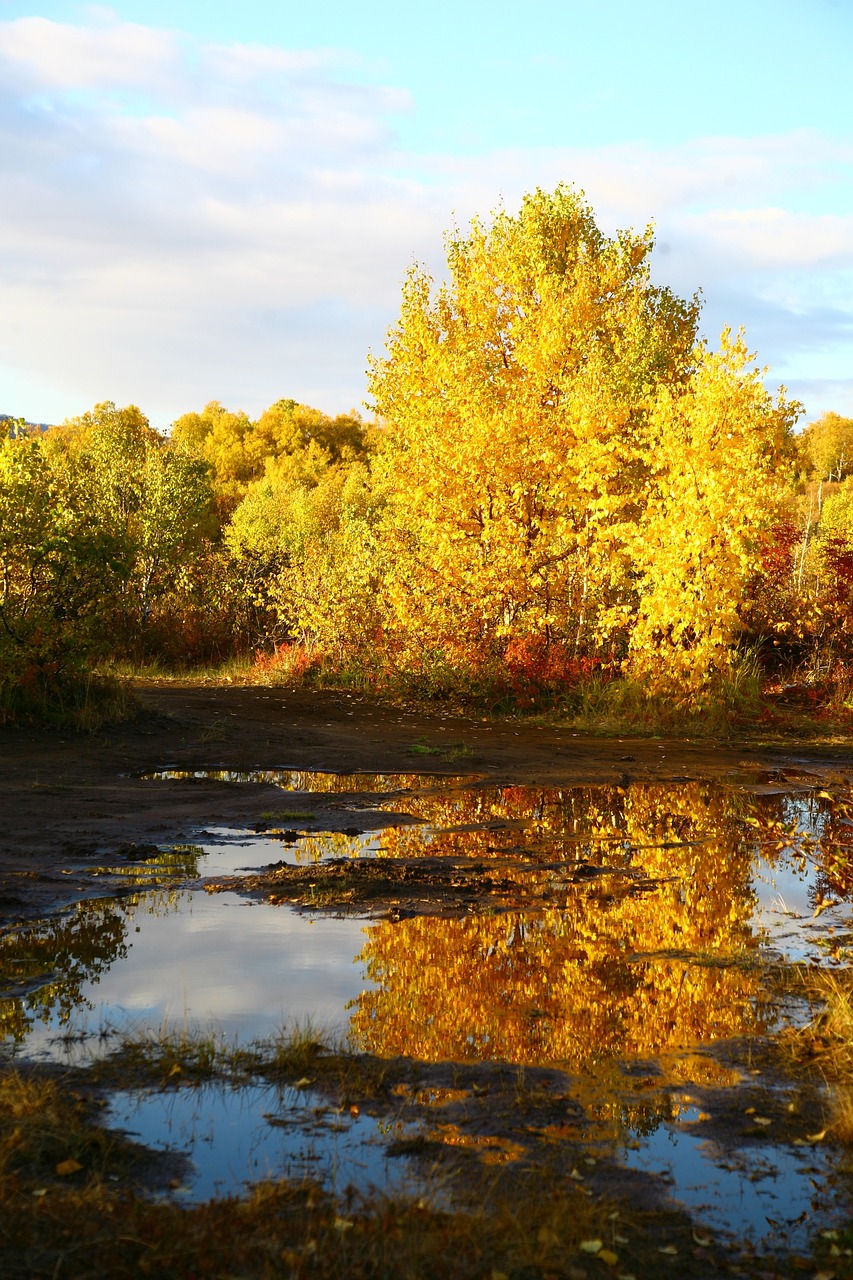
(447, 752)
(825, 1043)
(287, 815)
(189, 1055)
(85, 703)
(741, 705)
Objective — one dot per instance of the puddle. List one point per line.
(248, 1134)
(771, 1195)
(179, 958)
(316, 782)
(643, 923)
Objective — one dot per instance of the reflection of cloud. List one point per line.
(185, 220)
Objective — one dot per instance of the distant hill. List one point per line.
(30, 426)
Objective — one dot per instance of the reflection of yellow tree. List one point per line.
(53, 961)
(604, 974)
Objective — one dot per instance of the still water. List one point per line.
(649, 916)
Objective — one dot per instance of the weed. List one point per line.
(85, 703)
(214, 731)
(825, 1043)
(287, 815)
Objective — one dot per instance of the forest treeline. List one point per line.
(560, 483)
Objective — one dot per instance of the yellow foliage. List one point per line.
(716, 444)
(563, 463)
(515, 398)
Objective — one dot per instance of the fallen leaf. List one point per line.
(816, 1137)
(42, 1191)
(68, 1166)
(591, 1246)
(763, 1120)
(175, 1069)
(577, 1175)
(701, 1240)
(304, 1083)
(669, 1249)
(608, 1256)
(343, 1224)
(750, 1111)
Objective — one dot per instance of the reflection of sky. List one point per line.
(246, 967)
(230, 854)
(228, 1134)
(739, 1192)
(784, 910)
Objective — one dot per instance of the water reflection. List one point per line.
(659, 952)
(639, 922)
(244, 1134)
(315, 781)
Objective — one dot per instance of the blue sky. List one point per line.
(219, 201)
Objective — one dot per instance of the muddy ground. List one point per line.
(68, 800)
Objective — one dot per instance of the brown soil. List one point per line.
(70, 801)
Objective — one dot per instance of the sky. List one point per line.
(219, 201)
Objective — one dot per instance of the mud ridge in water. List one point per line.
(429, 886)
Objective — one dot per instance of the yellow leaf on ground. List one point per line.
(591, 1246)
(68, 1166)
(608, 1256)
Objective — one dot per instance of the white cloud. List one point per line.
(186, 221)
(55, 55)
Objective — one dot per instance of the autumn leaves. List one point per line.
(566, 462)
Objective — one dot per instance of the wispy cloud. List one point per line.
(184, 221)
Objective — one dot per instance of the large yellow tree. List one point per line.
(515, 396)
(564, 462)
